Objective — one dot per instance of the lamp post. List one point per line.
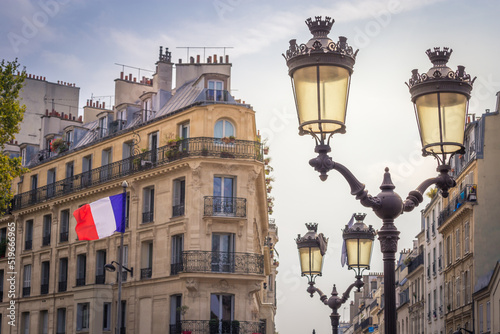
(312, 247)
(321, 70)
(459, 331)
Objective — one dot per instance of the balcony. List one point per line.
(222, 262)
(80, 281)
(63, 286)
(218, 327)
(146, 273)
(415, 263)
(26, 291)
(44, 289)
(176, 268)
(28, 244)
(190, 147)
(46, 240)
(404, 297)
(467, 195)
(225, 206)
(365, 323)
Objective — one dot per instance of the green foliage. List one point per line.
(11, 115)
(431, 193)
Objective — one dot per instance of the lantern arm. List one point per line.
(443, 182)
(312, 289)
(357, 188)
(358, 284)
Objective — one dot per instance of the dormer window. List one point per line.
(69, 137)
(103, 126)
(148, 110)
(215, 90)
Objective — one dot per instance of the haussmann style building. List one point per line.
(199, 244)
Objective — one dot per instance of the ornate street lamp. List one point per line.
(320, 71)
(312, 247)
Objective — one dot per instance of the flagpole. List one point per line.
(120, 260)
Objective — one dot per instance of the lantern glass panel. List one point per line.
(441, 117)
(311, 261)
(359, 254)
(324, 85)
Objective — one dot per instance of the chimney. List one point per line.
(103, 104)
(198, 59)
(121, 75)
(221, 59)
(227, 59)
(130, 76)
(209, 59)
(180, 61)
(215, 59)
(191, 60)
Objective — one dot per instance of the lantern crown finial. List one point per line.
(312, 227)
(439, 57)
(320, 28)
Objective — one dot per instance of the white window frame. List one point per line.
(82, 316)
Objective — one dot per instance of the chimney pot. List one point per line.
(180, 61)
(221, 59)
(130, 76)
(215, 59)
(191, 60)
(134, 79)
(121, 75)
(227, 59)
(198, 59)
(103, 104)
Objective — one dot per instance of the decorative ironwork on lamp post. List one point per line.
(321, 70)
(312, 247)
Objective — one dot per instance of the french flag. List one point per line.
(101, 218)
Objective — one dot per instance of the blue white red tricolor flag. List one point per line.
(343, 256)
(101, 218)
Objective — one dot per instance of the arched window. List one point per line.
(223, 128)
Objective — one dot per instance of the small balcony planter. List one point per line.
(213, 326)
(235, 327)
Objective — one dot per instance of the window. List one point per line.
(87, 171)
(106, 159)
(223, 128)
(466, 237)
(457, 240)
(64, 231)
(147, 260)
(440, 258)
(434, 311)
(44, 287)
(448, 250)
(2, 276)
(179, 197)
(466, 287)
(103, 126)
(488, 316)
(51, 180)
(148, 109)
(70, 169)
(100, 273)
(175, 313)
(44, 322)
(69, 137)
(28, 235)
(177, 248)
(61, 321)
(428, 265)
(440, 299)
(25, 323)
(124, 262)
(82, 316)
(215, 90)
(457, 291)
(68, 182)
(124, 317)
(63, 274)
(434, 261)
(148, 204)
(223, 252)
(127, 149)
(106, 317)
(224, 193)
(47, 220)
(433, 222)
(81, 269)
(481, 320)
(221, 309)
(153, 146)
(33, 190)
(27, 280)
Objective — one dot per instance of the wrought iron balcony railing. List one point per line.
(80, 281)
(26, 291)
(44, 289)
(468, 194)
(28, 244)
(225, 206)
(63, 236)
(63, 286)
(218, 327)
(176, 268)
(46, 240)
(147, 217)
(221, 262)
(146, 273)
(190, 147)
(100, 279)
(178, 210)
(416, 262)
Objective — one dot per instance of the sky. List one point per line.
(81, 42)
